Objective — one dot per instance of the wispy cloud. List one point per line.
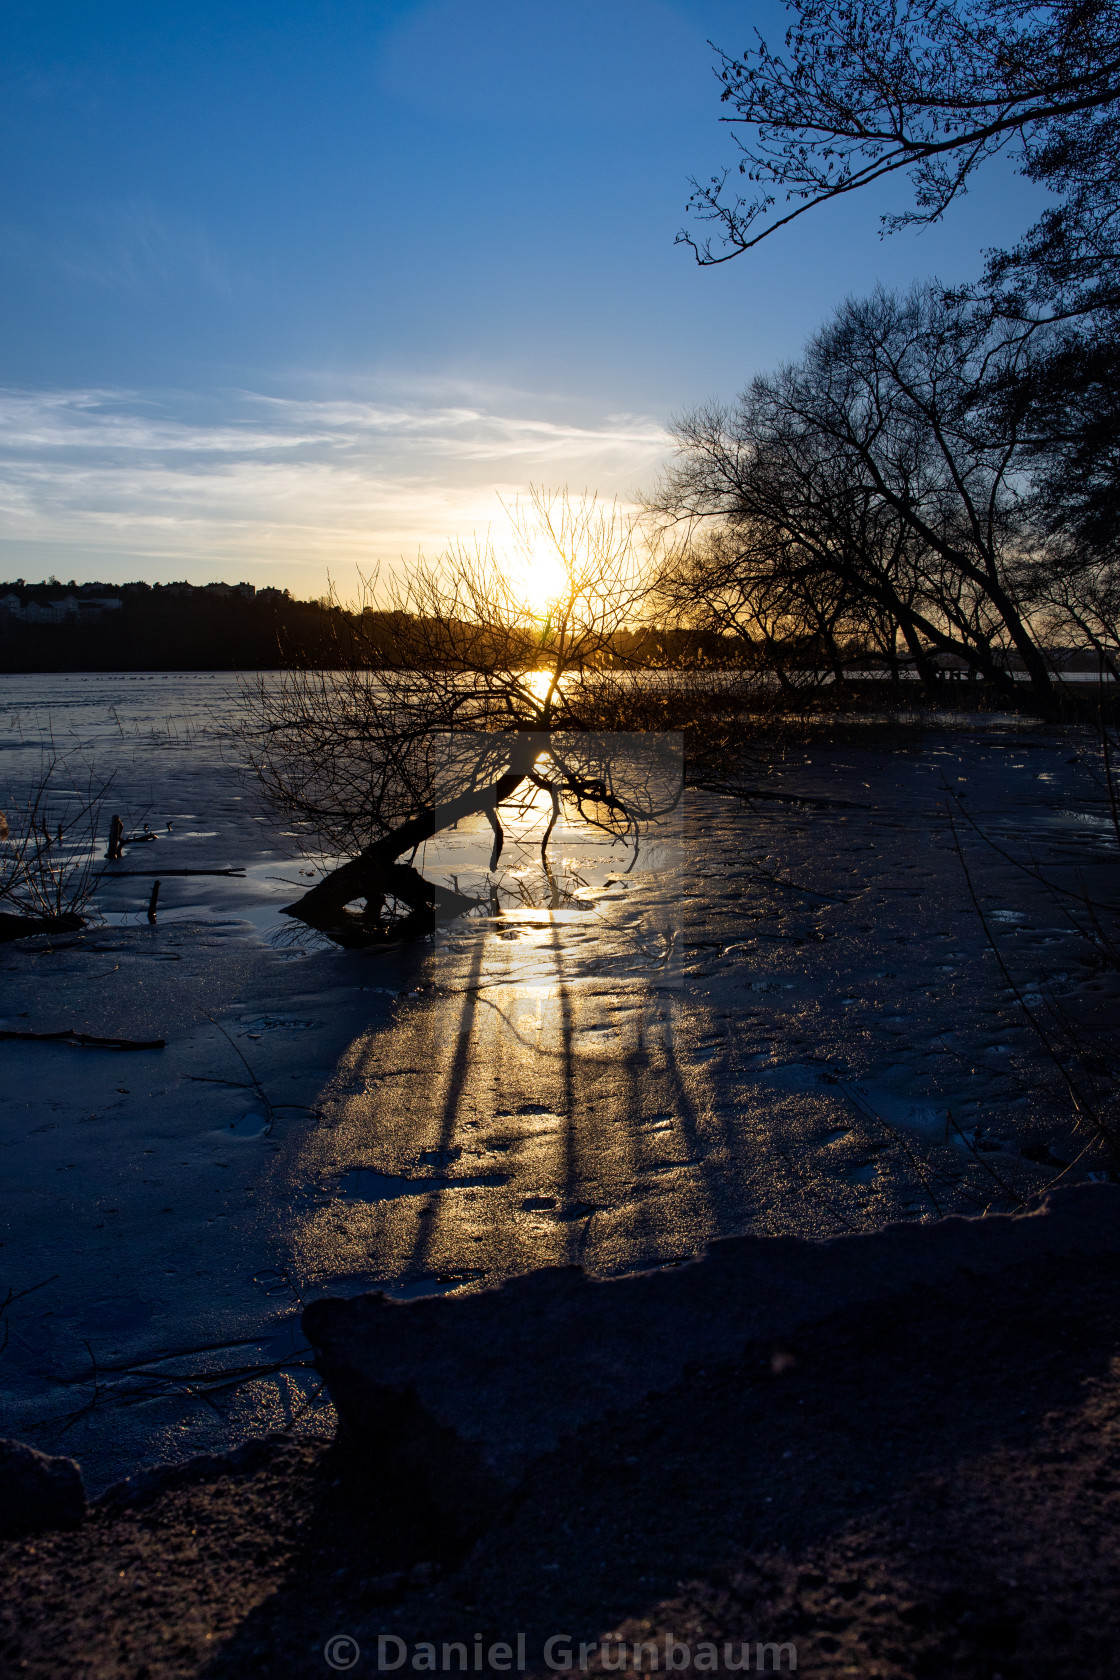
(114, 484)
(131, 247)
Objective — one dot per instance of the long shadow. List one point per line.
(454, 1090)
(569, 1163)
(636, 1153)
(700, 1140)
(647, 1074)
(458, 1075)
(568, 1178)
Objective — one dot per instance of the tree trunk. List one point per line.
(375, 872)
(918, 654)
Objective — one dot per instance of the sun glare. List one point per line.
(538, 573)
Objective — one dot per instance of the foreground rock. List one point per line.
(458, 1397)
(37, 1492)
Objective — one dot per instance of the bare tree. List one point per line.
(867, 89)
(765, 588)
(49, 847)
(492, 681)
(869, 473)
(1078, 601)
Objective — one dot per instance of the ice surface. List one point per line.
(803, 1029)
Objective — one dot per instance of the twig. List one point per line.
(85, 1041)
(794, 886)
(257, 1086)
(863, 1109)
(1007, 1189)
(91, 1404)
(1081, 1107)
(12, 1297)
(130, 1366)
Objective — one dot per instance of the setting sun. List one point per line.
(538, 573)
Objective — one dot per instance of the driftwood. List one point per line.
(85, 1041)
(146, 874)
(25, 927)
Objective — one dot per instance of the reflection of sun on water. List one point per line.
(538, 681)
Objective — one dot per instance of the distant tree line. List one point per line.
(173, 628)
(232, 628)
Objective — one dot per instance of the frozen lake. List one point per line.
(797, 1023)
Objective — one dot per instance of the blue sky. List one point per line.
(292, 288)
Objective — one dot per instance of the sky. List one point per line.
(296, 287)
